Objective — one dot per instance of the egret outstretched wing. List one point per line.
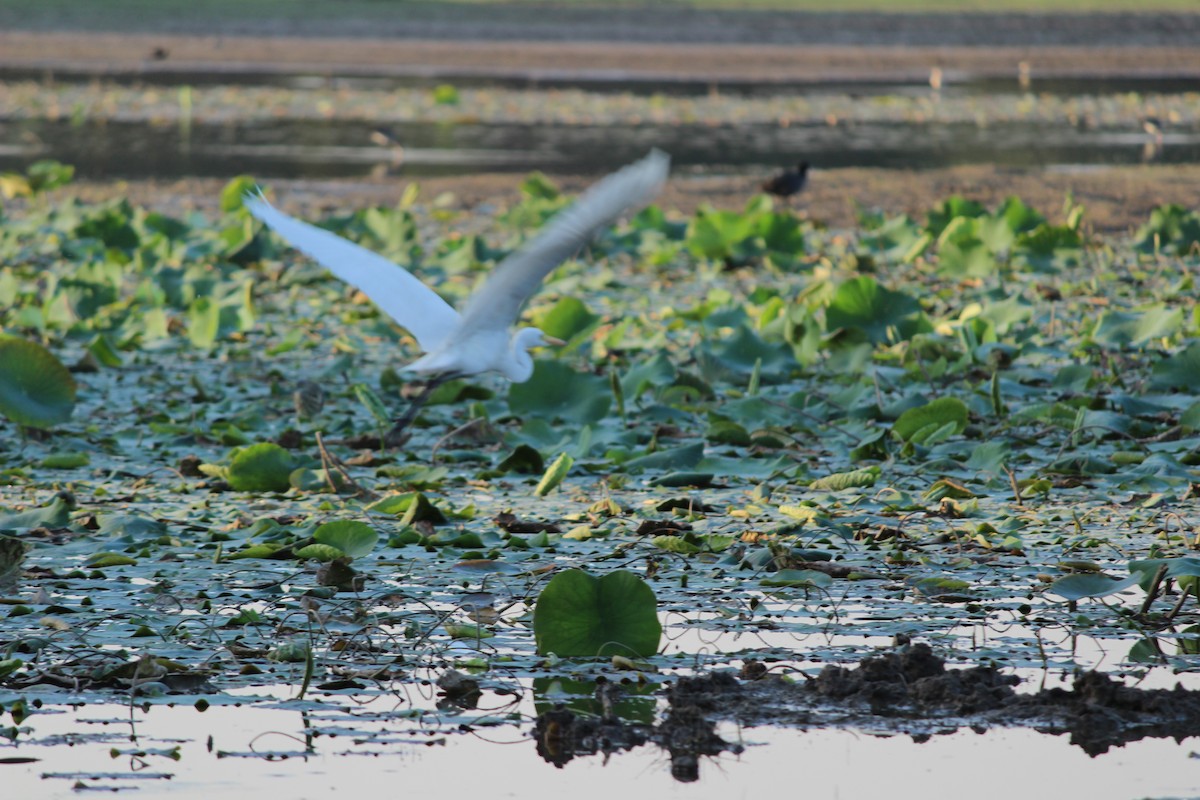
(497, 304)
(398, 294)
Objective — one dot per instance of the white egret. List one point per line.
(478, 339)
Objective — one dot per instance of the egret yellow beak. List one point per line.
(553, 340)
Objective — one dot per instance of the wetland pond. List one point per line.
(916, 500)
(310, 127)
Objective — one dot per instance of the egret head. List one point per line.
(521, 367)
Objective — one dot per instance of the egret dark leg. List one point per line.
(404, 420)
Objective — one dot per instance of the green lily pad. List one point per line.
(1093, 585)
(922, 423)
(578, 614)
(557, 391)
(54, 515)
(884, 315)
(410, 507)
(856, 479)
(319, 552)
(677, 458)
(524, 459)
(566, 319)
(353, 538)
(263, 467)
(1180, 371)
(36, 390)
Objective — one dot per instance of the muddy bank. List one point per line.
(1117, 199)
(908, 691)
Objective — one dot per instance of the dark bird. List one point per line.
(788, 182)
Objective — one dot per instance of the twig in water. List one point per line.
(330, 464)
(1152, 592)
(1012, 479)
(461, 429)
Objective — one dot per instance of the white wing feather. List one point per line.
(497, 304)
(401, 296)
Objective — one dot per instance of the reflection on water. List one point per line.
(238, 752)
(333, 148)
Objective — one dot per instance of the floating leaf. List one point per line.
(102, 560)
(524, 459)
(54, 515)
(557, 391)
(1172, 228)
(131, 526)
(963, 251)
(261, 550)
(1091, 585)
(801, 578)
(35, 388)
(351, 537)
(66, 460)
(884, 315)
(857, 479)
(1118, 329)
(678, 458)
(675, 544)
(918, 424)
(578, 614)
(263, 467)
(700, 479)
(1180, 371)
(410, 507)
(319, 552)
(566, 319)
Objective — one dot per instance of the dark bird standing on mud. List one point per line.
(788, 182)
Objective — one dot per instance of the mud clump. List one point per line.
(908, 688)
(914, 680)
(908, 691)
(1100, 712)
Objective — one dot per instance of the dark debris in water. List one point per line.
(904, 689)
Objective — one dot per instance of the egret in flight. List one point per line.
(477, 340)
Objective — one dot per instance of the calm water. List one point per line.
(330, 149)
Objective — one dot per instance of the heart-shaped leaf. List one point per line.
(578, 614)
(36, 390)
(556, 390)
(263, 467)
(352, 537)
